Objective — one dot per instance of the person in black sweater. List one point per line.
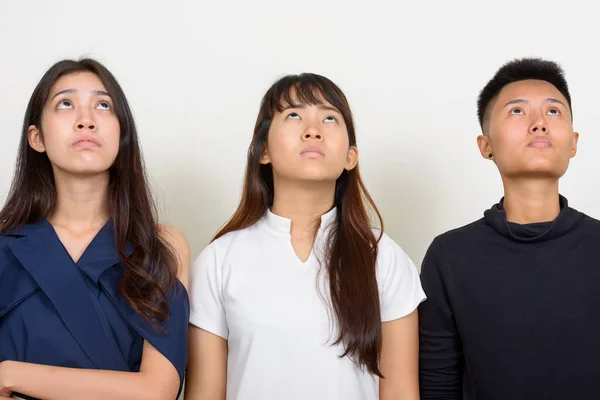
(513, 309)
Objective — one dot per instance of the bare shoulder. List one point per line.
(178, 242)
(174, 237)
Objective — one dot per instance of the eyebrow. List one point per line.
(320, 106)
(94, 92)
(524, 101)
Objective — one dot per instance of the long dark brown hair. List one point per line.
(151, 271)
(352, 248)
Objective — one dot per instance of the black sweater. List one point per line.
(513, 311)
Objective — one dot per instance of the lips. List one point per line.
(85, 142)
(312, 152)
(540, 143)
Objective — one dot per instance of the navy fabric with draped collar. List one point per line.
(54, 311)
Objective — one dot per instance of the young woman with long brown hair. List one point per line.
(297, 296)
(92, 304)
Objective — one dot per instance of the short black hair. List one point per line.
(519, 70)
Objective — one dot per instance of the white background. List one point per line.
(195, 71)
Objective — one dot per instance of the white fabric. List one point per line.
(250, 288)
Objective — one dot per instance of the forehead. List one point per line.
(80, 81)
(531, 90)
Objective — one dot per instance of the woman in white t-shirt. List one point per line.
(297, 297)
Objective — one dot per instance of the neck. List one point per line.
(528, 201)
(80, 201)
(303, 203)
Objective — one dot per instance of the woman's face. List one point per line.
(79, 131)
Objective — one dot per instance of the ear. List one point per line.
(264, 156)
(34, 137)
(485, 146)
(351, 158)
(574, 146)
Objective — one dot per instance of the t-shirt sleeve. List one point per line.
(206, 292)
(400, 288)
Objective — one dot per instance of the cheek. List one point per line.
(54, 138)
(115, 136)
(280, 145)
(339, 142)
(504, 143)
(57, 130)
(567, 143)
(111, 133)
(508, 132)
(56, 147)
(342, 153)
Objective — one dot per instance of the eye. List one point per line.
(516, 111)
(64, 104)
(553, 111)
(293, 115)
(103, 105)
(330, 118)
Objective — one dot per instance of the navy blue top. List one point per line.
(54, 311)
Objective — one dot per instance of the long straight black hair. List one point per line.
(352, 247)
(152, 269)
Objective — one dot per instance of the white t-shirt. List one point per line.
(250, 288)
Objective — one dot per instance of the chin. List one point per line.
(88, 169)
(539, 166)
(88, 173)
(542, 172)
(316, 178)
(547, 169)
(316, 174)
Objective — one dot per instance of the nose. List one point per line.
(312, 133)
(85, 121)
(538, 126)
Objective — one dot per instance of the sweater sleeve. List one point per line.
(441, 355)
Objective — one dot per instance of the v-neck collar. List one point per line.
(41, 253)
(99, 255)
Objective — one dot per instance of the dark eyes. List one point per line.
(519, 111)
(553, 111)
(294, 115)
(66, 104)
(103, 105)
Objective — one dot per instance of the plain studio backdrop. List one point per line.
(194, 73)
